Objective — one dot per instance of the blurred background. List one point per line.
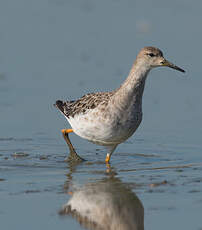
(62, 49)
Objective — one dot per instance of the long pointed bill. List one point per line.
(171, 65)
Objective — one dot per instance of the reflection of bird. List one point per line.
(110, 118)
(106, 205)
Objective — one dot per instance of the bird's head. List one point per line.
(153, 57)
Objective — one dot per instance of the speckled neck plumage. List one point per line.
(132, 89)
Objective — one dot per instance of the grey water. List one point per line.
(56, 49)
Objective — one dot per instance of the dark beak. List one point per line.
(171, 65)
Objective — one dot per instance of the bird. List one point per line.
(110, 118)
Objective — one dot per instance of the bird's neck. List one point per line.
(132, 89)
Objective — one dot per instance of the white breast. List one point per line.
(105, 129)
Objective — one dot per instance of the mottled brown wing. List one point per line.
(82, 105)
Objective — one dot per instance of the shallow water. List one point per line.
(34, 187)
(63, 49)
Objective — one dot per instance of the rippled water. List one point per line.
(63, 49)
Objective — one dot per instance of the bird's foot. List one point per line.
(73, 156)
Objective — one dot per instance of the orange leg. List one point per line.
(107, 159)
(67, 130)
(73, 156)
(110, 151)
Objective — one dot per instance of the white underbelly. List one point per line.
(103, 130)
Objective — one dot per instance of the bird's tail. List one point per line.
(60, 105)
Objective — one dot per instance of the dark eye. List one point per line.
(151, 54)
